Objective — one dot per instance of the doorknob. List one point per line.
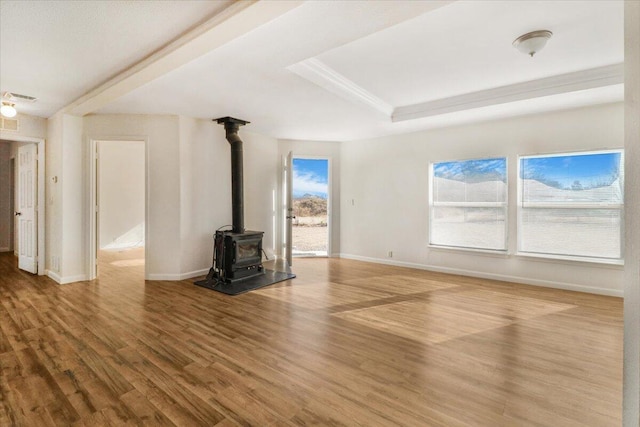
(18, 213)
(291, 217)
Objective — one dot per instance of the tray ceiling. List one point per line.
(335, 70)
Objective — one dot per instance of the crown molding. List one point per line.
(318, 72)
(580, 80)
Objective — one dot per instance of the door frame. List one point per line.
(92, 206)
(287, 214)
(41, 207)
(329, 195)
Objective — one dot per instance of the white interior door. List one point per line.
(26, 208)
(289, 208)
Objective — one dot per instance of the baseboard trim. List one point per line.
(5, 249)
(54, 276)
(492, 276)
(72, 279)
(67, 279)
(177, 277)
(193, 274)
(169, 277)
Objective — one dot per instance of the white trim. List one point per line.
(72, 279)
(574, 205)
(41, 149)
(471, 204)
(570, 258)
(165, 277)
(329, 160)
(66, 280)
(327, 78)
(92, 249)
(565, 153)
(570, 82)
(177, 277)
(54, 276)
(195, 273)
(492, 276)
(8, 136)
(500, 253)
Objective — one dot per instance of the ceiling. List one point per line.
(315, 70)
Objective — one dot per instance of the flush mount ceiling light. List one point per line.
(532, 42)
(8, 109)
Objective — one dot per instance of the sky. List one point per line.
(310, 177)
(473, 170)
(590, 170)
(577, 171)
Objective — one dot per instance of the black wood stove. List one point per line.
(237, 253)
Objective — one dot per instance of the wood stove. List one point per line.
(237, 253)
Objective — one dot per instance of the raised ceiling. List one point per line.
(321, 70)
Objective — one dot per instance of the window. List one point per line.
(571, 205)
(468, 204)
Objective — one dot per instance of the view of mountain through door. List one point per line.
(310, 207)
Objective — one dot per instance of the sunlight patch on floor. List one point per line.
(128, 263)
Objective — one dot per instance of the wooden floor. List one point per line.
(345, 343)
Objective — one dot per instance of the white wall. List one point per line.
(121, 195)
(260, 185)
(330, 150)
(66, 216)
(631, 404)
(53, 241)
(71, 181)
(29, 126)
(161, 134)
(387, 181)
(189, 186)
(205, 188)
(6, 216)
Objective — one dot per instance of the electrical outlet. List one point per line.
(390, 254)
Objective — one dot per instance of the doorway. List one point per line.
(22, 207)
(310, 203)
(120, 220)
(6, 197)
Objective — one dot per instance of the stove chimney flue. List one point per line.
(231, 127)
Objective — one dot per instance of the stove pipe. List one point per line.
(231, 127)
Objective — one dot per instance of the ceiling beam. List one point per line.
(236, 20)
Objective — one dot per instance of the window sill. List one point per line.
(565, 258)
(488, 252)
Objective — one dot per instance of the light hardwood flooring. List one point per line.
(345, 343)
